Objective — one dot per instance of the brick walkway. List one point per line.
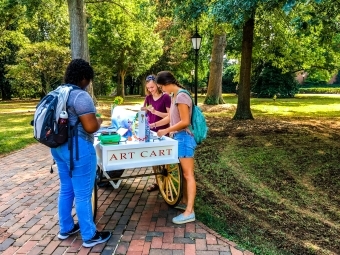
(140, 221)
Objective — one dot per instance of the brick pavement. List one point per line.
(140, 221)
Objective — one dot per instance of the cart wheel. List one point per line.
(170, 181)
(94, 200)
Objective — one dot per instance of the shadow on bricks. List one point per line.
(140, 221)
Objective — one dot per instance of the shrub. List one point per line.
(268, 81)
(330, 90)
(228, 83)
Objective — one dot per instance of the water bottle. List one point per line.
(147, 129)
(63, 118)
(62, 135)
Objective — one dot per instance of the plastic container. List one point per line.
(109, 138)
(63, 118)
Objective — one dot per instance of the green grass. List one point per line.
(300, 106)
(15, 116)
(16, 131)
(270, 184)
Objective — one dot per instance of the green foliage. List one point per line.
(228, 80)
(118, 100)
(48, 21)
(268, 81)
(25, 22)
(122, 40)
(40, 68)
(318, 75)
(294, 42)
(329, 90)
(11, 39)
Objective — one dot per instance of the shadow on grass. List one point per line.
(271, 186)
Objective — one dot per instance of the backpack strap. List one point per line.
(193, 103)
(73, 132)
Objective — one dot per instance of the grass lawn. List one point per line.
(270, 184)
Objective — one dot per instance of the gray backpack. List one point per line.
(45, 122)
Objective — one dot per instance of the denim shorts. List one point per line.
(186, 144)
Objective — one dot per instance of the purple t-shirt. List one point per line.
(159, 105)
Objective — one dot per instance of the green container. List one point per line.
(109, 138)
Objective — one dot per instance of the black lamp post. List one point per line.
(192, 72)
(196, 44)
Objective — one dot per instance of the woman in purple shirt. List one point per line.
(157, 105)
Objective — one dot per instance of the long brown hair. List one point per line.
(166, 77)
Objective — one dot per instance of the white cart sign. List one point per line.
(137, 154)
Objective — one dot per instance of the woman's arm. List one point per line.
(182, 124)
(162, 122)
(90, 122)
(158, 113)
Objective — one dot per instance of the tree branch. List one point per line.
(133, 16)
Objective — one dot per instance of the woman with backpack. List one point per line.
(180, 120)
(76, 184)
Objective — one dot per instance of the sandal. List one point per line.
(153, 187)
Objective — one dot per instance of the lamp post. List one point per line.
(196, 44)
(192, 79)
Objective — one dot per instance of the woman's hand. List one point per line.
(151, 109)
(162, 132)
(100, 120)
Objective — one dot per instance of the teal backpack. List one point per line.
(198, 125)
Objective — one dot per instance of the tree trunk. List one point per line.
(5, 89)
(214, 92)
(143, 84)
(78, 30)
(120, 84)
(79, 45)
(243, 104)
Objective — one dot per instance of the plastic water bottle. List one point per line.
(147, 129)
(63, 118)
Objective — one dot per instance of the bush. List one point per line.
(268, 81)
(330, 90)
(228, 83)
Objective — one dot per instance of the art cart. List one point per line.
(159, 153)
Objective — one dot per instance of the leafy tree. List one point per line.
(294, 42)
(243, 14)
(11, 39)
(40, 68)
(269, 81)
(123, 39)
(33, 22)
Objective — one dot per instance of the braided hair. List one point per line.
(78, 70)
(166, 77)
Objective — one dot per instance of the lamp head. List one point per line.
(196, 41)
